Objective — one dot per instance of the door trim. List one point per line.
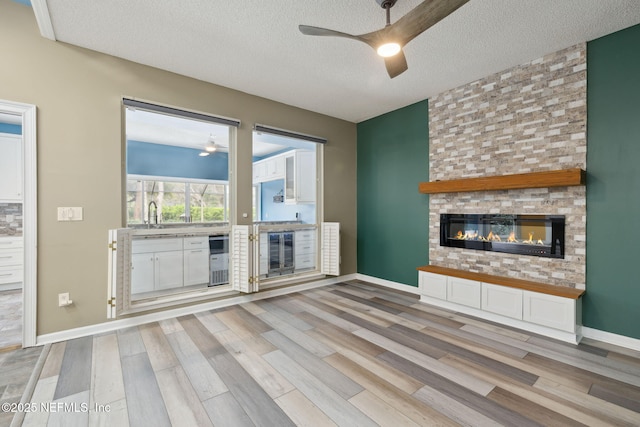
(29, 217)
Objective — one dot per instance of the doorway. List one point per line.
(17, 225)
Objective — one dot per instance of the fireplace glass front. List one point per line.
(535, 235)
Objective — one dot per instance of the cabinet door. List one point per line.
(433, 285)
(463, 291)
(275, 168)
(168, 269)
(305, 185)
(259, 171)
(289, 179)
(10, 167)
(502, 300)
(549, 310)
(196, 267)
(142, 272)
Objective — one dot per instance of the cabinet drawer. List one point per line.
(432, 285)
(10, 275)
(549, 310)
(156, 245)
(11, 243)
(502, 300)
(199, 242)
(11, 257)
(305, 261)
(303, 235)
(463, 291)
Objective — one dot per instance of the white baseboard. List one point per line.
(388, 283)
(610, 338)
(182, 311)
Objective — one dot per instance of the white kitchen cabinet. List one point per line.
(463, 291)
(305, 249)
(10, 167)
(196, 260)
(433, 285)
(300, 177)
(156, 264)
(502, 300)
(269, 169)
(142, 272)
(11, 263)
(169, 270)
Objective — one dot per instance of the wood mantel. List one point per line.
(558, 178)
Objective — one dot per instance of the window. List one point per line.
(286, 205)
(177, 165)
(176, 201)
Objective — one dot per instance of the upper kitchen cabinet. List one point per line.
(269, 169)
(10, 167)
(300, 177)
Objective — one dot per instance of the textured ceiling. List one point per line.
(254, 45)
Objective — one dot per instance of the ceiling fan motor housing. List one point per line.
(386, 4)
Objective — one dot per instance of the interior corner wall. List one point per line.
(393, 157)
(613, 183)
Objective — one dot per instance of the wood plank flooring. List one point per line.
(351, 354)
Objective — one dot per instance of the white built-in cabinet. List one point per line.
(156, 264)
(10, 167)
(168, 263)
(298, 170)
(196, 260)
(551, 315)
(269, 169)
(11, 263)
(304, 249)
(300, 177)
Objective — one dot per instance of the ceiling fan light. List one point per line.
(211, 148)
(388, 49)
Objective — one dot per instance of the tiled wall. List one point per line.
(10, 219)
(526, 119)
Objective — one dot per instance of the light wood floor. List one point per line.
(10, 318)
(348, 355)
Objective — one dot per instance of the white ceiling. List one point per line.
(254, 45)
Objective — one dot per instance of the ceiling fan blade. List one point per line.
(420, 18)
(396, 64)
(308, 30)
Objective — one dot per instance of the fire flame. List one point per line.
(474, 235)
(495, 237)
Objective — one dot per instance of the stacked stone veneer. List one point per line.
(529, 118)
(10, 219)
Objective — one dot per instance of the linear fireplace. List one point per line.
(535, 235)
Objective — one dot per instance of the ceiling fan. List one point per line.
(390, 40)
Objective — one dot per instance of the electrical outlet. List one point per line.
(63, 300)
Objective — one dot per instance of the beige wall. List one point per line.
(78, 94)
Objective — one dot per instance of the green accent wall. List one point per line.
(612, 300)
(393, 218)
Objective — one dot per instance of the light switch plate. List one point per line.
(70, 214)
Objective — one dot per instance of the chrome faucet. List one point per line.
(155, 216)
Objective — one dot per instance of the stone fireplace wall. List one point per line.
(529, 118)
